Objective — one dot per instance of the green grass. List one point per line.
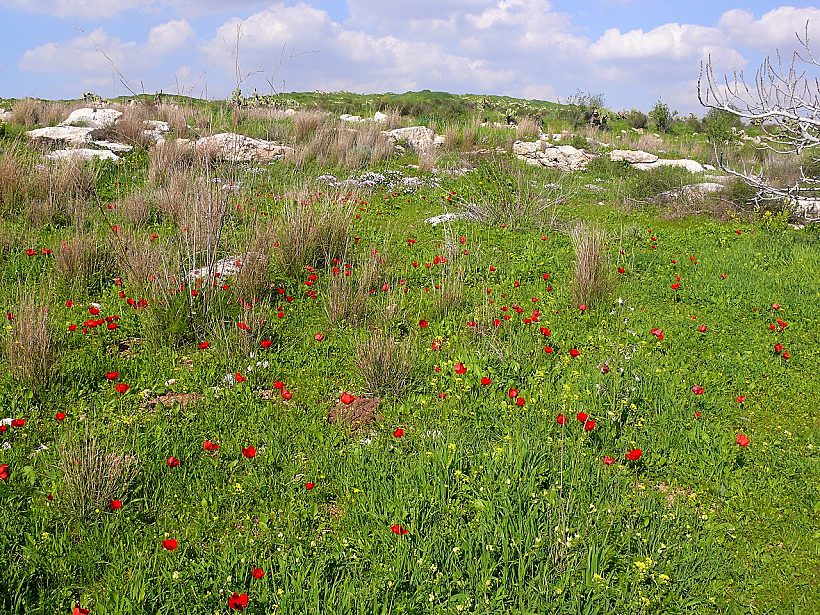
(506, 511)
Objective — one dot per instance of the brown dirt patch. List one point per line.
(169, 399)
(360, 413)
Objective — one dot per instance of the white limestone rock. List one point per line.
(631, 156)
(84, 153)
(92, 118)
(239, 148)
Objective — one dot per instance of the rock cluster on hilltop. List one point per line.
(545, 154)
(644, 161)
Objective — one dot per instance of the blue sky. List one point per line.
(631, 51)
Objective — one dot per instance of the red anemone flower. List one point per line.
(634, 455)
(397, 529)
(238, 601)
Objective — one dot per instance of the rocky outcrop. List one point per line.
(421, 139)
(92, 118)
(692, 192)
(562, 157)
(632, 156)
(117, 148)
(239, 148)
(71, 135)
(156, 130)
(693, 166)
(84, 153)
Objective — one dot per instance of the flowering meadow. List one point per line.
(277, 389)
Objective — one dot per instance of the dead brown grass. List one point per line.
(30, 345)
(527, 128)
(94, 474)
(27, 112)
(84, 261)
(334, 144)
(311, 232)
(591, 279)
(385, 363)
(347, 297)
(130, 128)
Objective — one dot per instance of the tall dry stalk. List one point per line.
(385, 364)
(30, 345)
(93, 473)
(591, 279)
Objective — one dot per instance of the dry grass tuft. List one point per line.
(168, 159)
(27, 112)
(83, 261)
(591, 280)
(94, 475)
(343, 147)
(527, 128)
(311, 233)
(30, 345)
(130, 128)
(385, 364)
(305, 125)
(346, 300)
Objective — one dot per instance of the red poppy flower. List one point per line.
(574, 353)
(347, 398)
(608, 461)
(740, 399)
(742, 440)
(548, 349)
(697, 415)
(544, 331)
(4, 472)
(318, 337)
(422, 323)
(634, 455)
(589, 425)
(115, 504)
(702, 328)
(397, 529)
(520, 401)
(775, 306)
(203, 345)
(562, 419)
(243, 326)
(513, 393)
(459, 368)
(278, 385)
(621, 270)
(238, 601)
(172, 462)
(485, 381)
(60, 416)
(786, 354)
(210, 446)
(18, 422)
(257, 573)
(778, 347)
(582, 417)
(309, 486)
(266, 343)
(78, 610)
(583, 307)
(112, 375)
(249, 452)
(675, 286)
(698, 390)
(122, 387)
(398, 433)
(286, 395)
(239, 377)
(170, 544)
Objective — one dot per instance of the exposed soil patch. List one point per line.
(169, 399)
(357, 415)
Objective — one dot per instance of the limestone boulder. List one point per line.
(117, 148)
(84, 153)
(92, 118)
(156, 130)
(693, 166)
(239, 148)
(70, 135)
(631, 156)
(421, 139)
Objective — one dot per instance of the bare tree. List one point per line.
(785, 103)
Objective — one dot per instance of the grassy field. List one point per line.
(589, 402)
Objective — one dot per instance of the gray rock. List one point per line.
(420, 138)
(85, 154)
(692, 191)
(72, 135)
(542, 153)
(693, 166)
(114, 146)
(231, 265)
(346, 117)
(631, 156)
(380, 118)
(239, 148)
(92, 118)
(156, 130)
(436, 220)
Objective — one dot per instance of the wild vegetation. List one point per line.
(276, 388)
